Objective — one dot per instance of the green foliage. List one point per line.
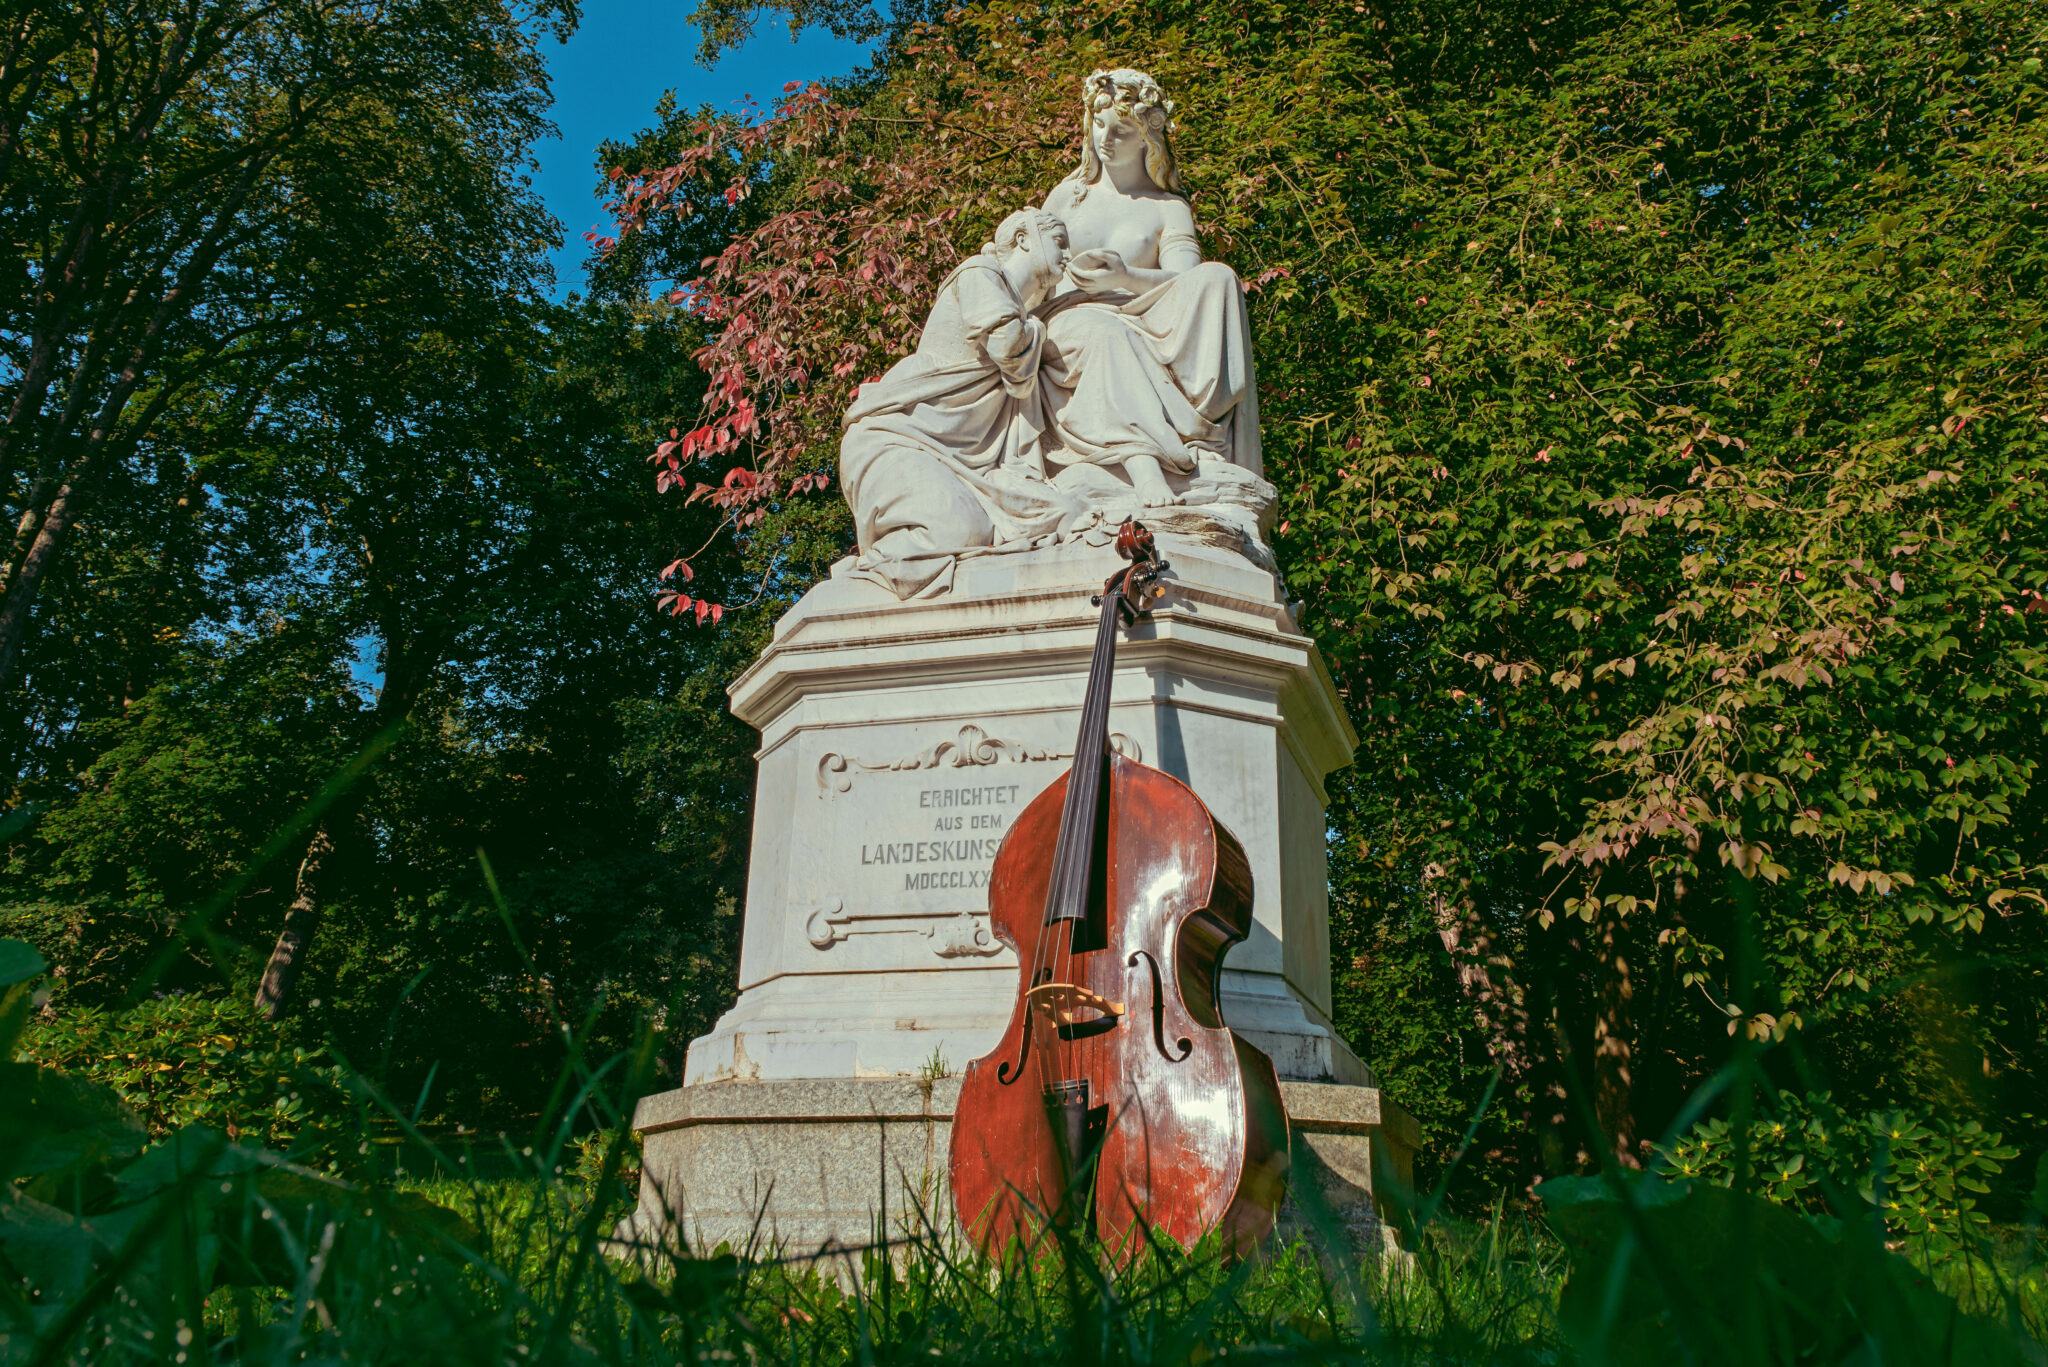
(546, 727)
(1676, 1271)
(1924, 1174)
(371, 495)
(1659, 492)
(183, 1060)
(282, 171)
(183, 792)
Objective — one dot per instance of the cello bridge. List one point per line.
(1062, 1003)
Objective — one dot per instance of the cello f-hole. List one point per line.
(1186, 1045)
(1010, 1072)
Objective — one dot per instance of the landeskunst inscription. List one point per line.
(909, 845)
(966, 824)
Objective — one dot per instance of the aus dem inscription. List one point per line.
(959, 830)
(906, 844)
(910, 852)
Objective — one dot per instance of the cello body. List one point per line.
(1117, 1100)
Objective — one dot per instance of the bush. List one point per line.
(1666, 1272)
(183, 1060)
(1924, 1174)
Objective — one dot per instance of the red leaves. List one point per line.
(668, 571)
(1266, 277)
(678, 604)
(829, 289)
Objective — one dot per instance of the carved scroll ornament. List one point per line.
(952, 935)
(972, 747)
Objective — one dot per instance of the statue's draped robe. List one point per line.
(1167, 374)
(942, 457)
(949, 453)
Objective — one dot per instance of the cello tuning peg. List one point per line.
(1095, 600)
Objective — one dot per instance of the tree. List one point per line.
(497, 488)
(1653, 395)
(189, 186)
(385, 500)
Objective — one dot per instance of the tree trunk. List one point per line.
(315, 872)
(1613, 1045)
(177, 301)
(28, 581)
(406, 669)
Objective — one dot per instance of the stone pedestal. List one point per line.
(898, 742)
(809, 1166)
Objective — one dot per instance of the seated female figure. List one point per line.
(1148, 360)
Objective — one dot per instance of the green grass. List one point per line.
(1475, 1293)
(378, 1242)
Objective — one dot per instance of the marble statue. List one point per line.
(1085, 366)
(1153, 357)
(944, 456)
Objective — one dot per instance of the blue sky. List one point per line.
(609, 74)
(606, 80)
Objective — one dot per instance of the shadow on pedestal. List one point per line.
(803, 1168)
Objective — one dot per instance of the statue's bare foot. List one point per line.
(1149, 484)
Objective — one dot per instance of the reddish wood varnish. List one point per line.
(1192, 1136)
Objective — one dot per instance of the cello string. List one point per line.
(1062, 948)
(1069, 849)
(1072, 874)
(1081, 857)
(1087, 778)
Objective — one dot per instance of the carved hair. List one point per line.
(1138, 98)
(1030, 218)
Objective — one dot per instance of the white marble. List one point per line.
(900, 738)
(1086, 365)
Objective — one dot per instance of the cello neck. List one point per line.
(1073, 860)
(1074, 852)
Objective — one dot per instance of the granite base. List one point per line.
(807, 1167)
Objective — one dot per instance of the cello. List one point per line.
(1117, 1102)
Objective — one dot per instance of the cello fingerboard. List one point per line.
(1077, 864)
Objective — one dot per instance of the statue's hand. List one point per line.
(1098, 270)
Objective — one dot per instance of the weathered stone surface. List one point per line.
(804, 1167)
(1348, 1145)
(799, 1166)
(899, 739)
